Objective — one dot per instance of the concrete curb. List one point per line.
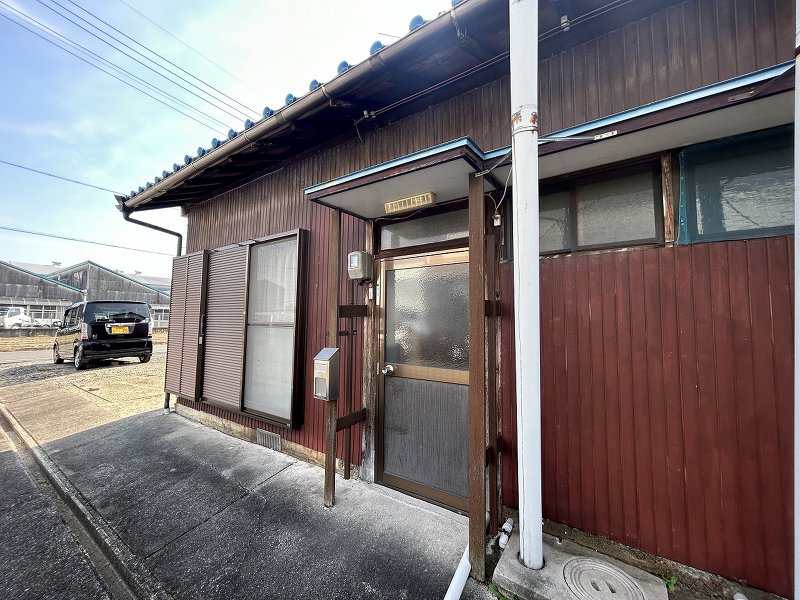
(129, 566)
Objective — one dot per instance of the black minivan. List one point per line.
(103, 329)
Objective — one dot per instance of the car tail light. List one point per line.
(150, 328)
(84, 331)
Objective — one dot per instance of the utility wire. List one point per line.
(112, 75)
(72, 239)
(139, 61)
(122, 33)
(97, 187)
(200, 54)
(61, 37)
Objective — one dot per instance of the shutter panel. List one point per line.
(184, 343)
(225, 323)
(192, 359)
(177, 310)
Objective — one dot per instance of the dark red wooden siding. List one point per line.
(667, 402)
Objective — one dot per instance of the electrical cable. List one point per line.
(112, 75)
(97, 187)
(173, 82)
(200, 54)
(72, 239)
(61, 37)
(205, 83)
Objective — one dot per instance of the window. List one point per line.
(738, 188)
(273, 353)
(441, 227)
(611, 209)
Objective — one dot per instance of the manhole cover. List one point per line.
(592, 579)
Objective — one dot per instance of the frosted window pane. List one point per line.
(270, 370)
(436, 228)
(616, 210)
(554, 227)
(744, 192)
(427, 320)
(273, 282)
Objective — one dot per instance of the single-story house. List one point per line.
(666, 231)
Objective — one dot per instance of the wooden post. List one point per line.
(333, 342)
(348, 383)
(477, 379)
(491, 383)
(330, 452)
(369, 392)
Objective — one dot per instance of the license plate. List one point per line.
(117, 329)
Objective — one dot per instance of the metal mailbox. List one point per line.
(326, 374)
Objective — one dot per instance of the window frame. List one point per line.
(730, 147)
(570, 185)
(297, 394)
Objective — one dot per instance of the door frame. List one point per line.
(412, 488)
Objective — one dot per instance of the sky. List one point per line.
(65, 117)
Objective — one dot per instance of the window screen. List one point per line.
(272, 315)
(737, 188)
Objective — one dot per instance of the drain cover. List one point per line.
(592, 579)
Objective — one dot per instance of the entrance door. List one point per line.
(424, 354)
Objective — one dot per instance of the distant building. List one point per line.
(42, 297)
(45, 290)
(107, 284)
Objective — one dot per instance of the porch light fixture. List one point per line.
(409, 203)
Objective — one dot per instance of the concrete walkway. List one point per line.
(193, 513)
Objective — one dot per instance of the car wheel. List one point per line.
(16, 326)
(56, 357)
(80, 364)
(144, 358)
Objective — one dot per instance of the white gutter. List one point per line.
(349, 81)
(796, 462)
(524, 19)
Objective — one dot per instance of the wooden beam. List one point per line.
(477, 379)
(669, 198)
(351, 419)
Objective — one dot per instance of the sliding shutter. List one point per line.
(225, 327)
(187, 314)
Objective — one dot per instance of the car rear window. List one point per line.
(116, 312)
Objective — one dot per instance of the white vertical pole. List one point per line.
(796, 463)
(524, 33)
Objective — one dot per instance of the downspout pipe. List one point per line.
(459, 577)
(796, 463)
(524, 55)
(126, 214)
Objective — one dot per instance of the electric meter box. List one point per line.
(359, 265)
(326, 374)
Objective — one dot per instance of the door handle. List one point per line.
(387, 370)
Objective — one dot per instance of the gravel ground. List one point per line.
(123, 386)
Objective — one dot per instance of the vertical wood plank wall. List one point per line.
(667, 402)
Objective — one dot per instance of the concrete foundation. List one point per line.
(572, 572)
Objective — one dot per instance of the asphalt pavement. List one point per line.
(39, 555)
(191, 512)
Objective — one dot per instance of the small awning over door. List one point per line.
(442, 170)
